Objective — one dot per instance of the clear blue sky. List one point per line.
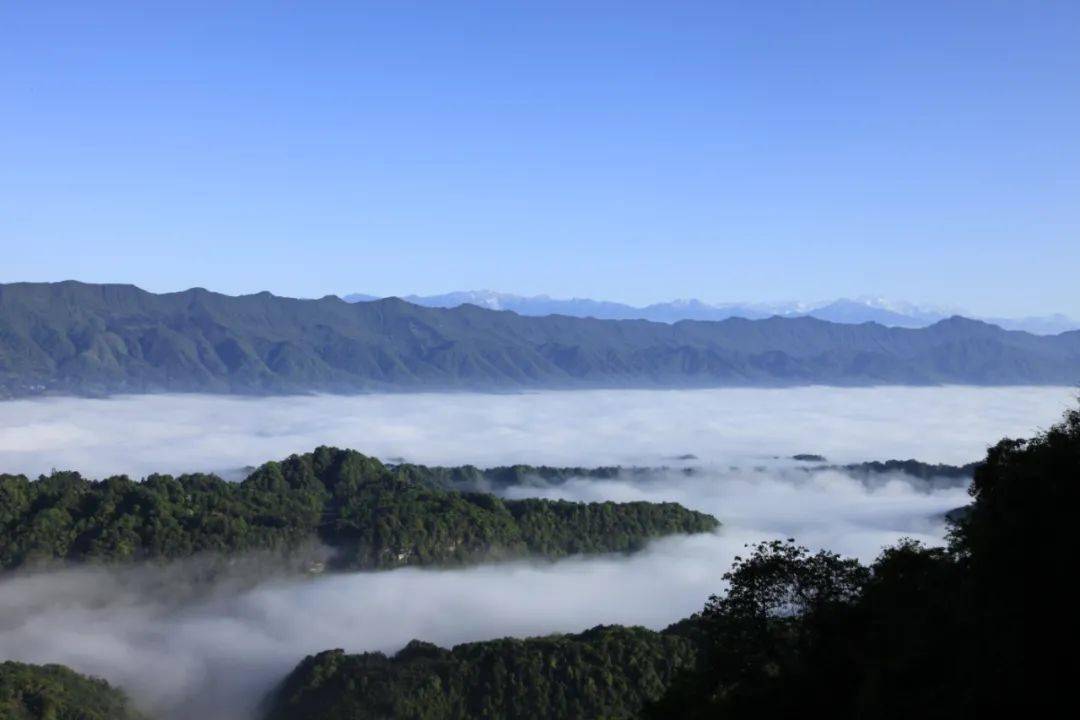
(630, 151)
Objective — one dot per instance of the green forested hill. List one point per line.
(912, 469)
(371, 515)
(53, 692)
(605, 672)
(921, 632)
(469, 477)
(79, 338)
(970, 630)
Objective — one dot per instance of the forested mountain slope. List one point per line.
(54, 692)
(605, 672)
(920, 632)
(929, 632)
(89, 339)
(370, 515)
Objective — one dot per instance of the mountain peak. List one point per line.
(294, 346)
(854, 311)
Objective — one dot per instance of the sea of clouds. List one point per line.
(187, 650)
(184, 433)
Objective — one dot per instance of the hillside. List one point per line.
(844, 310)
(369, 515)
(938, 632)
(498, 479)
(95, 339)
(53, 692)
(605, 672)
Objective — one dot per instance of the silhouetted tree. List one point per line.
(971, 630)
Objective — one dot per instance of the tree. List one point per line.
(780, 627)
(971, 630)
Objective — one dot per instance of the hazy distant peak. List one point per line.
(954, 322)
(902, 307)
(862, 309)
(686, 302)
(359, 297)
(482, 298)
(100, 339)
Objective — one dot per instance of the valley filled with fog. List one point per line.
(185, 649)
(141, 434)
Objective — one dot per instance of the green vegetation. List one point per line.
(470, 477)
(922, 632)
(79, 338)
(53, 692)
(605, 672)
(912, 469)
(371, 515)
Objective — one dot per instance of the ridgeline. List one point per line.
(76, 338)
(605, 672)
(921, 632)
(53, 692)
(371, 516)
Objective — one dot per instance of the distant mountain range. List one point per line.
(860, 310)
(72, 337)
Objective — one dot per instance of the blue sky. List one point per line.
(629, 151)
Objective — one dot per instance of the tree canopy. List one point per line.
(370, 515)
(605, 672)
(929, 632)
(922, 632)
(54, 692)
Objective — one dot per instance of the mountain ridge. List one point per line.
(78, 338)
(365, 514)
(842, 310)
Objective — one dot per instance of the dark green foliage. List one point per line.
(1017, 545)
(53, 692)
(912, 469)
(605, 672)
(771, 636)
(911, 637)
(91, 339)
(373, 516)
(826, 637)
(469, 477)
(929, 633)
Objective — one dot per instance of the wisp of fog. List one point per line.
(213, 650)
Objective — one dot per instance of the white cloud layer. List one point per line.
(180, 433)
(214, 653)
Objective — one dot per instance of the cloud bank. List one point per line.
(181, 433)
(212, 651)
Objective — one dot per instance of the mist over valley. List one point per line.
(244, 476)
(185, 642)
